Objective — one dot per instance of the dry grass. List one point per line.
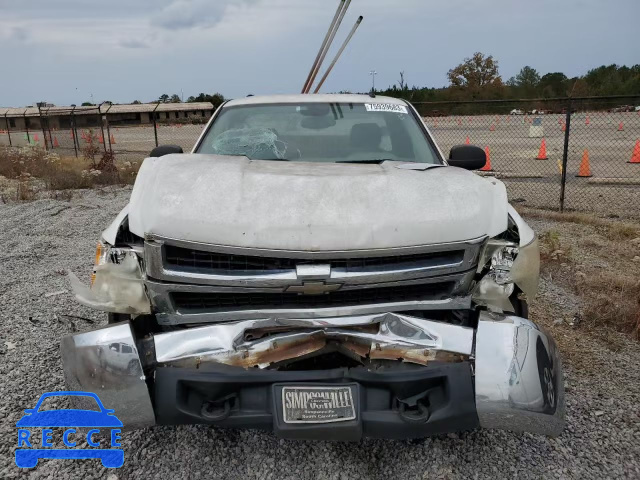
(613, 299)
(596, 262)
(617, 230)
(61, 173)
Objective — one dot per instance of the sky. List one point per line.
(71, 51)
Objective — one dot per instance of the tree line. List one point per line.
(478, 78)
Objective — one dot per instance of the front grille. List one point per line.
(201, 260)
(192, 301)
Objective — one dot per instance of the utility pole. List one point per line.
(373, 74)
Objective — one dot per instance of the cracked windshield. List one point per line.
(320, 132)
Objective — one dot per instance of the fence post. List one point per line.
(49, 128)
(106, 119)
(565, 154)
(104, 143)
(26, 125)
(155, 127)
(44, 132)
(6, 121)
(74, 130)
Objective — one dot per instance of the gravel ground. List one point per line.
(40, 239)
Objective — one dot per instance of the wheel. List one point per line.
(132, 368)
(547, 378)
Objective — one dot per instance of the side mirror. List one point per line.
(163, 150)
(468, 157)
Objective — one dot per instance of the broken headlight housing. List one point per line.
(506, 265)
(116, 282)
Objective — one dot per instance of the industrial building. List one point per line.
(61, 117)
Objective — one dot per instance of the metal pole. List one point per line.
(565, 155)
(49, 128)
(328, 46)
(324, 42)
(344, 45)
(26, 125)
(155, 127)
(74, 131)
(6, 121)
(44, 132)
(104, 144)
(108, 129)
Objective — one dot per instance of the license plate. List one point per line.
(317, 404)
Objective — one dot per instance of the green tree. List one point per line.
(175, 98)
(164, 98)
(553, 85)
(136, 102)
(88, 104)
(216, 99)
(528, 78)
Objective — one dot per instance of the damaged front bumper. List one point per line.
(505, 374)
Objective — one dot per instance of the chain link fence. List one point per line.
(579, 154)
(130, 132)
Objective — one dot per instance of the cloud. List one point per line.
(185, 14)
(20, 34)
(133, 43)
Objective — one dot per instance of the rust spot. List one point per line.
(421, 357)
(274, 355)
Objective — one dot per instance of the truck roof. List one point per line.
(314, 98)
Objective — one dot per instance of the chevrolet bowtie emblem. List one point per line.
(313, 288)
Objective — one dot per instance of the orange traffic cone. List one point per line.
(55, 142)
(621, 127)
(467, 141)
(113, 139)
(587, 121)
(35, 137)
(492, 128)
(487, 166)
(542, 153)
(564, 127)
(635, 156)
(101, 139)
(585, 170)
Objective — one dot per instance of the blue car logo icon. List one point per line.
(70, 419)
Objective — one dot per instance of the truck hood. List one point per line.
(310, 206)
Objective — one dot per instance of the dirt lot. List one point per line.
(41, 239)
(529, 181)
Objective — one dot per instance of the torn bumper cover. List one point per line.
(509, 376)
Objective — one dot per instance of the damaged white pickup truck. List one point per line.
(316, 267)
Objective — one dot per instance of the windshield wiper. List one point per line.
(370, 162)
(271, 159)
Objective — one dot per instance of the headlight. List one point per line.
(503, 255)
(509, 265)
(116, 282)
(105, 254)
